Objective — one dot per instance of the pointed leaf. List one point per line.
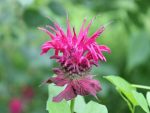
(148, 98)
(124, 87)
(141, 101)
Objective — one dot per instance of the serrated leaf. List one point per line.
(148, 98)
(93, 107)
(141, 101)
(124, 87)
(61, 107)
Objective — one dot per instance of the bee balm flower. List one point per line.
(76, 55)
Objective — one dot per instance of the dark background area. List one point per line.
(22, 69)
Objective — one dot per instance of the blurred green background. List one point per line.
(22, 69)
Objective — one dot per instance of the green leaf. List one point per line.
(61, 107)
(53, 90)
(57, 8)
(141, 101)
(93, 107)
(79, 104)
(148, 97)
(129, 93)
(25, 2)
(53, 107)
(124, 87)
(33, 18)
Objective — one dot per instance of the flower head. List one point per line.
(76, 55)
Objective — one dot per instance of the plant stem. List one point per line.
(141, 86)
(133, 110)
(72, 105)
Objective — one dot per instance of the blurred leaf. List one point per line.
(25, 2)
(57, 8)
(138, 51)
(18, 59)
(143, 5)
(33, 18)
(148, 98)
(137, 21)
(93, 107)
(105, 69)
(61, 107)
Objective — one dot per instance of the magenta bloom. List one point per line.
(15, 106)
(76, 55)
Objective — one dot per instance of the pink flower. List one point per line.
(15, 106)
(76, 55)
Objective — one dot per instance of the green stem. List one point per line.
(141, 86)
(133, 110)
(72, 105)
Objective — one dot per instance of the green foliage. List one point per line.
(80, 105)
(141, 101)
(148, 97)
(138, 43)
(33, 18)
(129, 93)
(61, 107)
(93, 107)
(57, 8)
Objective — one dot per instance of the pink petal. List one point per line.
(93, 52)
(46, 47)
(95, 35)
(87, 28)
(69, 34)
(99, 53)
(58, 71)
(104, 48)
(87, 86)
(81, 30)
(59, 80)
(53, 29)
(63, 36)
(46, 31)
(67, 94)
(74, 40)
